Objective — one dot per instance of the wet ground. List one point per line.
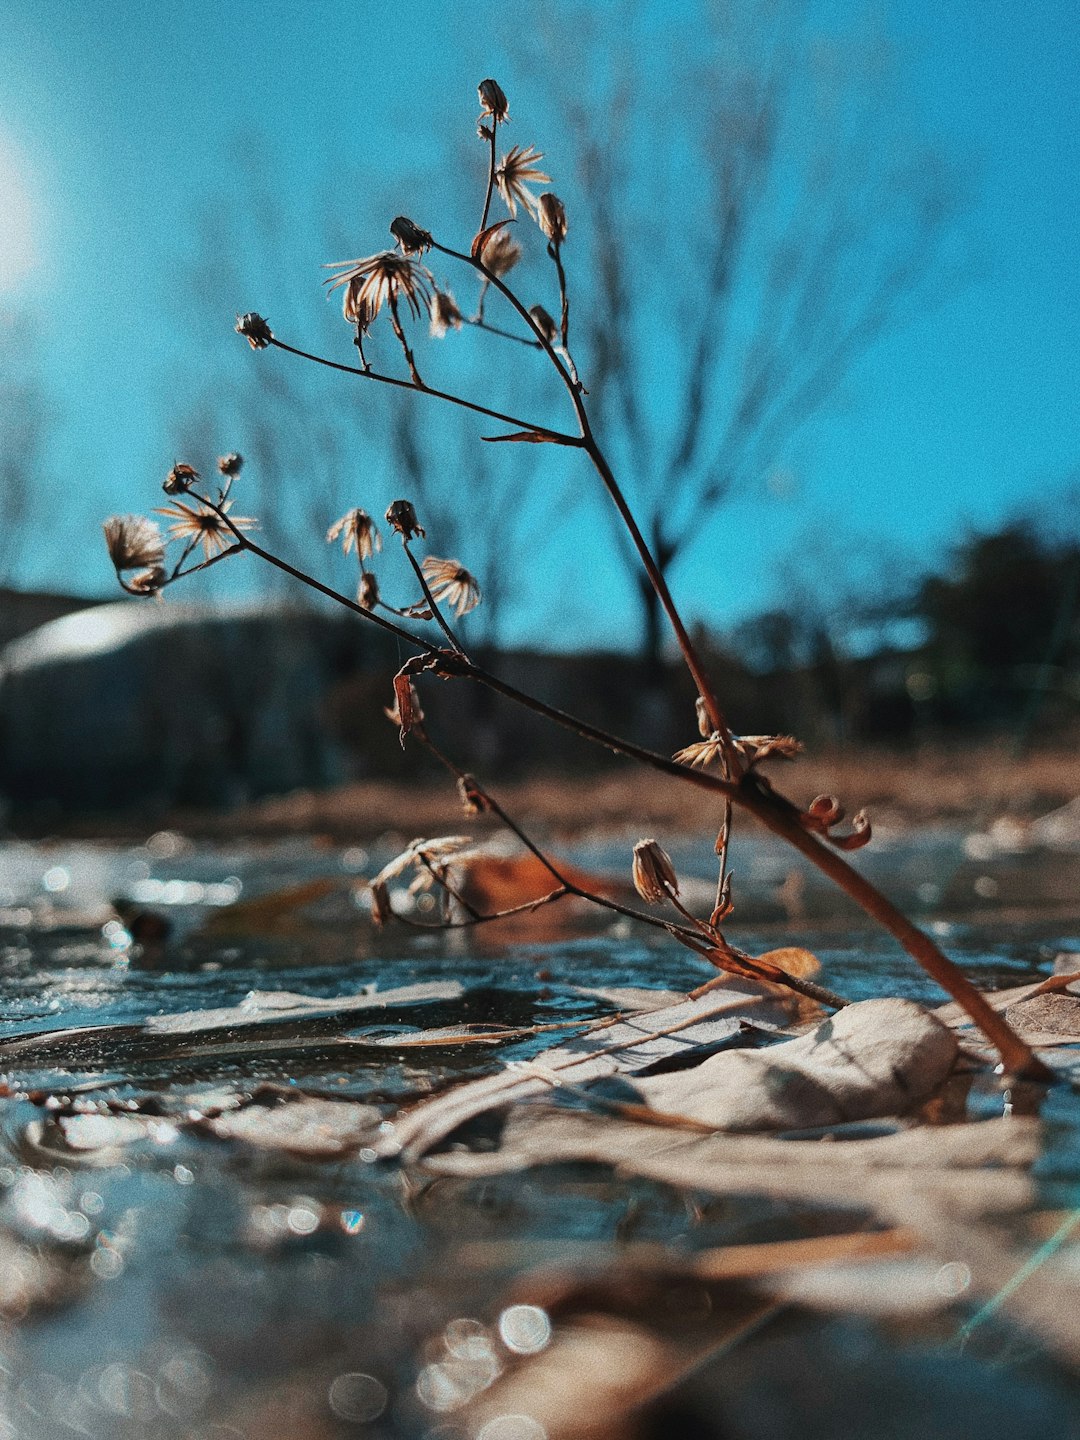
(181, 1286)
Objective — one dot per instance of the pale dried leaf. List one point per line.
(616, 1047)
(975, 1169)
(265, 1006)
(879, 1057)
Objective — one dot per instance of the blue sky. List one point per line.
(117, 121)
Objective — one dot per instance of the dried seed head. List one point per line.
(702, 752)
(492, 100)
(412, 239)
(179, 479)
(473, 798)
(402, 517)
(654, 875)
(230, 465)
(205, 526)
(437, 854)
(449, 581)
(358, 532)
(544, 323)
(500, 253)
(755, 748)
(367, 594)
(372, 282)
(515, 172)
(255, 330)
(445, 314)
(147, 582)
(134, 543)
(551, 217)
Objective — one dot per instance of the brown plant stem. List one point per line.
(490, 179)
(698, 936)
(589, 443)
(433, 604)
(556, 437)
(395, 321)
(774, 811)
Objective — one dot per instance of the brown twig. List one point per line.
(750, 792)
(433, 604)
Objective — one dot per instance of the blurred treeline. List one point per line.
(985, 642)
(138, 706)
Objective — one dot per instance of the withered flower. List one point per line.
(429, 858)
(134, 543)
(401, 516)
(551, 217)
(449, 581)
(179, 479)
(544, 323)
(147, 582)
(204, 526)
(515, 172)
(473, 799)
(755, 748)
(230, 465)
(255, 330)
(654, 875)
(702, 752)
(358, 532)
(367, 594)
(372, 282)
(501, 253)
(445, 314)
(412, 239)
(492, 100)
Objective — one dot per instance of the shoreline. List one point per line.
(972, 786)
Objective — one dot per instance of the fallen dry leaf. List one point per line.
(613, 1047)
(974, 1168)
(879, 1057)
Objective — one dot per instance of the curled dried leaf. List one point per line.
(407, 712)
(823, 811)
(861, 833)
(522, 437)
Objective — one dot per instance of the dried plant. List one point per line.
(721, 764)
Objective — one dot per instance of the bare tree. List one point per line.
(746, 260)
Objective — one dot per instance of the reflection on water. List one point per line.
(171, 1283)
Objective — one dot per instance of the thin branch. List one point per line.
(491, 177)
(433, 604)
(753, 794)
(557, 437)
